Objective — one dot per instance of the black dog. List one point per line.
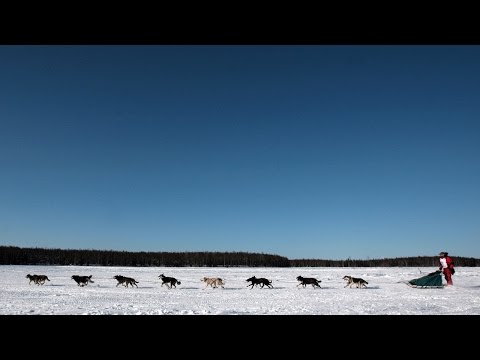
(306, 281)
(261, 281)
(82, 280)
(169, 280)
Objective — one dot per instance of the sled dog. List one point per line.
(351, 281)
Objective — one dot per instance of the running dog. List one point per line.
(359, 283)
(261, 281)
(37, 279)
(213, 282)
(131, 281)
(125, 281)
(82, 280)
(32, 278)
(169, 280)
(308, 281)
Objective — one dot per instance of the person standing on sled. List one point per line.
(446, 265)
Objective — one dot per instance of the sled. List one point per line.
(430, 281)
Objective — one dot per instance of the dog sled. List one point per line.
(430, 281)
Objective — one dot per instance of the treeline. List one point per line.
(12, 255)
(402, 261)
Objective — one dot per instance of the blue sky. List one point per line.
(303, 151)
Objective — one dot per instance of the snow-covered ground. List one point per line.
(385, 294)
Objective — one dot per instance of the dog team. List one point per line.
(213, 282)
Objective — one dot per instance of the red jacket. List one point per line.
(449, 263)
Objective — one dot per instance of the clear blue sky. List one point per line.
(302, 151)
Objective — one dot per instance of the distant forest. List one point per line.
(12, 255)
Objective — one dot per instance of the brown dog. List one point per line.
(37, 279)
(213, 282)
(125, 281)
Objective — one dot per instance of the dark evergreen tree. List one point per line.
(12, 255)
